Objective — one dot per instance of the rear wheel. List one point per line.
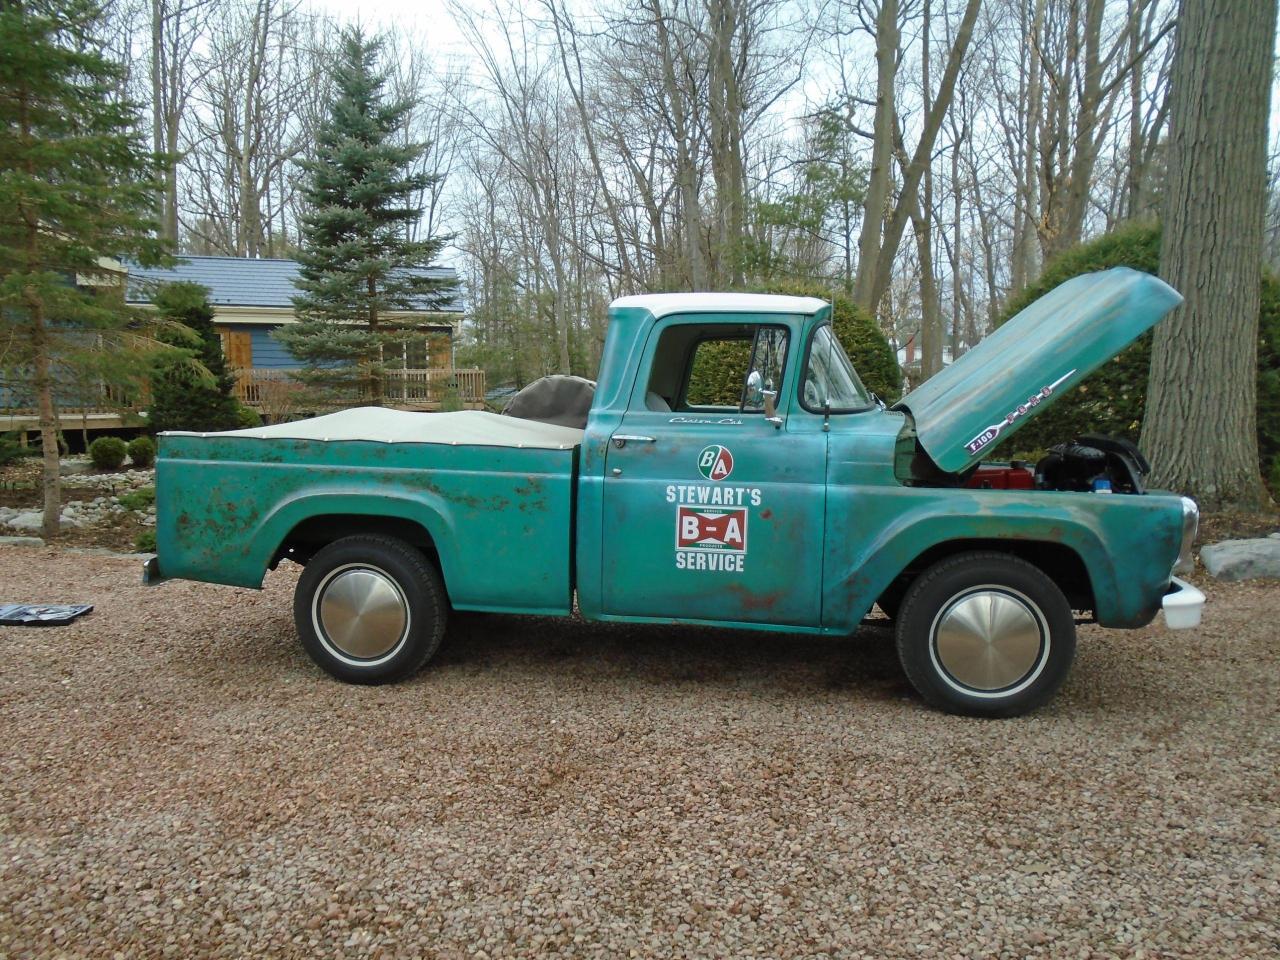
(985, 634)
(370, 609)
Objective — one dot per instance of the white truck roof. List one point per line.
(665, 304)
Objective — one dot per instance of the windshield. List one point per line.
(829, 380)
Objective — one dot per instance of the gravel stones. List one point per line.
(179, 780)
(1243, 559)
(117, 482)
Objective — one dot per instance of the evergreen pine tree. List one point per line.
(78, 190)
(184, 397)
(358, 263)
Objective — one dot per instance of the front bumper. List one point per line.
(1182, 605)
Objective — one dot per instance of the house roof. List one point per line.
(240, 282)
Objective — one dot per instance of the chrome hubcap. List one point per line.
(990, 640)
(361, 612)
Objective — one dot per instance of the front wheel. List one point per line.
(985, 634)
(370, 609)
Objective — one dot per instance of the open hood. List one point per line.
(1024, 366)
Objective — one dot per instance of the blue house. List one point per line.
(253, 298)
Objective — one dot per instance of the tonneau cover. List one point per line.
(378, 424)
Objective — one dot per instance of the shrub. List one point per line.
(145, 541)
(860, 336)
(247, 417)
(451, 401)
(108, 453)
(1113, 398)
(12, 448)
(142, 452)
(138, 499)
(181, 398)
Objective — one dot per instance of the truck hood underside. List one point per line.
(1028, 363)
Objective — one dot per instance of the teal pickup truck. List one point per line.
(795, 506)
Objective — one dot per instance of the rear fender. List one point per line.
(242, 561)
(424, 509)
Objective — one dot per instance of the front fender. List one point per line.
(1127, 544)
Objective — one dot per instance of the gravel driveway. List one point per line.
(178, 780)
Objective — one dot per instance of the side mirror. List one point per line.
(755, 389)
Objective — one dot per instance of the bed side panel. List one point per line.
(499, 517)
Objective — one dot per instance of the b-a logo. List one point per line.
(715, 462)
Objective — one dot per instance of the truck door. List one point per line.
(715, 480)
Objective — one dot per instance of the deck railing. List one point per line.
(265, 389)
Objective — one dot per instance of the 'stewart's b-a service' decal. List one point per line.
(990, 434)
(715, 462)
(711, 539)
(711, 520)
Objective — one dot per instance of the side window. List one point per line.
(717, 367)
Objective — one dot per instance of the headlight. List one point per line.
(1190, 527)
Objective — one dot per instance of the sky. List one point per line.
(429, 20)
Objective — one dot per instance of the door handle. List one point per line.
(620, 439)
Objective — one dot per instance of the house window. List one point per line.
(417, 354)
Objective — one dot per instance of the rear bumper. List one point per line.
(1182, 605)
(151, 572)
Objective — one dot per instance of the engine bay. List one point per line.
(1090, 463)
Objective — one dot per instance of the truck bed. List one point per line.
(493, 493)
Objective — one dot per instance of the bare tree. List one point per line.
(176, 28)
(883, 226)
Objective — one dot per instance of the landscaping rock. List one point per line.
(21, 542)
(72, 467)
(1243, 559)
(28, 522)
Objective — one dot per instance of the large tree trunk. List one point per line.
(1200, 425)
